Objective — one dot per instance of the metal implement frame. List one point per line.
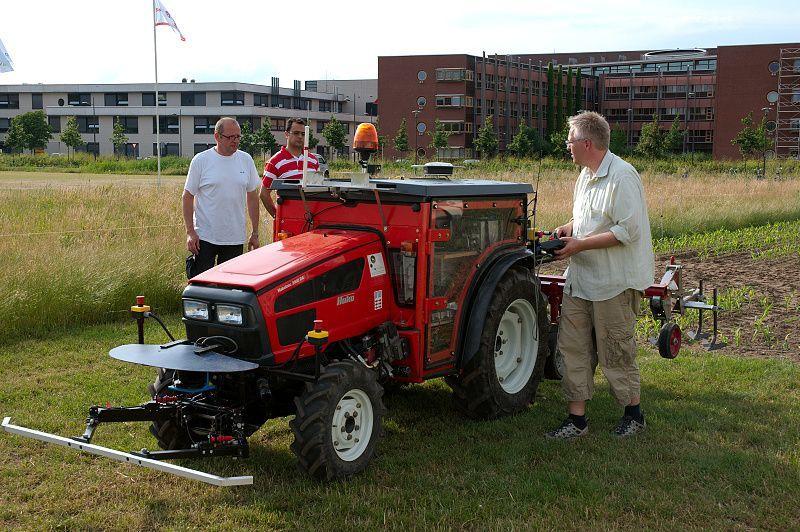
(129, 458)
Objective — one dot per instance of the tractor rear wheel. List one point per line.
(338, 421)
(502, 378)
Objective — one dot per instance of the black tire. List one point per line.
(341, 384)
(554, 367)
(478, 391)
(168, 433)
(669, 340)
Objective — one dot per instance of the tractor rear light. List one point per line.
(195, 310)
(282, 235)
(229, 314)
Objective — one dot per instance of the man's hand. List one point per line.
(253, 242)
(571, 247)
(563, 230)
(193, 242)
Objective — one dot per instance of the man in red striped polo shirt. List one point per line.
(287, 163)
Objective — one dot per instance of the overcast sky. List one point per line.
(111, 41)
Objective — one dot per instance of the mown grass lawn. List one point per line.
(721, 451)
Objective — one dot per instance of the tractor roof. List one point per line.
(429, 188)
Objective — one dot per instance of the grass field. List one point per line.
(721, 450)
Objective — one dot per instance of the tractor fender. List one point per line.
(480, 295)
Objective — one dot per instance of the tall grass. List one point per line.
(78, 250)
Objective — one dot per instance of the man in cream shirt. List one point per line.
(609, 245)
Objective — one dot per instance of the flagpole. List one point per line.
(158, 126)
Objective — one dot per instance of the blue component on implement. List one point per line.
(181, 357)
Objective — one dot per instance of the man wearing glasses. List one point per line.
(221, 182)
(288, 162)
(609, 245)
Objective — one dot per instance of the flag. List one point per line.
(6, 64)
(163, 18)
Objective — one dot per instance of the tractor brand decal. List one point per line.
(376, 265)
(292, 283)
(349, 298)
(378, 299)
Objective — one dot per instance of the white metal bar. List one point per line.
(126, 457)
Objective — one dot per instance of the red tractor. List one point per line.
(368, 282)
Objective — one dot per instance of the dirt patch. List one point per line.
(764, 299)
(762, 296)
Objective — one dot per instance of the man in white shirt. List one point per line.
(609, 245)
(221, 181)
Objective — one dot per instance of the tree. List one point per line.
(312, 140)
(619, 140)
(17, 138)
(118, 137)
(651, 141)
(487, 143)
(521, 143)
(673, 140)
(264, 140)
(578, 92)
(248, 141)
(71, 137)
(383, 141)
(438, 136)
(559, 98)
(752, 140)
(334, 134)
(551, 101)
(558, 141)
(568, 92)
(401, 139)
(37, 130)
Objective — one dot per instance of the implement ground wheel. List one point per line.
(502, 378)
(338, 421)
(669, 340)
(554, 367)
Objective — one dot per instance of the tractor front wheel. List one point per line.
(338, 421)
(502, 377)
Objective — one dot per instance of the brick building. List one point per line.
(709, 90)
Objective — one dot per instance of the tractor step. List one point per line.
(129, 458)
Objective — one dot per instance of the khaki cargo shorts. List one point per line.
(612, 345)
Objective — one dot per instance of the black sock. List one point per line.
(579, 421)
(634, 411)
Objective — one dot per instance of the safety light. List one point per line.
(195, 310)
(229, 314)
(366, 138)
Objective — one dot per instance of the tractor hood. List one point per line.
(276, 262)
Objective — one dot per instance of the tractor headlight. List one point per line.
(229, 314)
(195, 310)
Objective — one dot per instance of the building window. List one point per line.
(204, 124)
(422, 101)
(9, 100)
(301, 103)
(149, 99)
(251, 121)
(794, 124)
(79, 99)
(706, 64)
(129, 149)
(702, 91)
(88, 124)
(456, 127)
(796, 96)
(130, 123)
(193, 99)
(454, 74)
(116, 99)
(228, 98)
(421, 127)
(169, 148)
(261, 100)
(772, 96)
(422, 76)
(321, 125)
(202, 147)
(277, 124)
(325, 106)
(89, 147)
(5, 124)
(167, 125)
(311, 86)
(774, 67)
(453, 100)
(55, 123)
(282, 102)
(372, 109)
(670, 113)
(36, 101)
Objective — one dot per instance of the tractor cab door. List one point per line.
(463, 234)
